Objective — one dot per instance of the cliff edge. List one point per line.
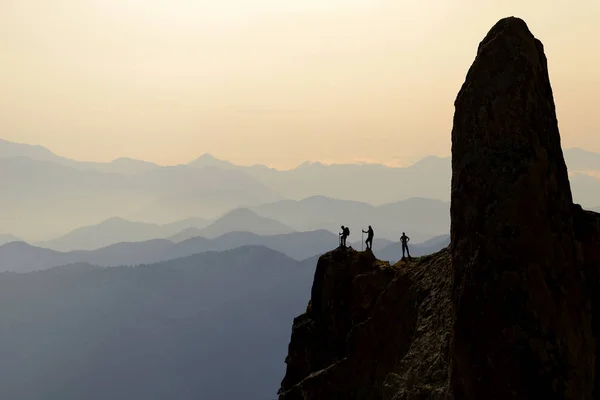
(511, 309)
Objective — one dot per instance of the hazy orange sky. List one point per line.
(270, 81)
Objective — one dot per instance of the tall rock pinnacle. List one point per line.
(520, 329)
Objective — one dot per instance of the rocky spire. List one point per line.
(520, 329)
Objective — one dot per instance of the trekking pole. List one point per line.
(362, 236)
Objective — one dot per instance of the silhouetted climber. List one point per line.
(369, 241)
(343, 236)
(404, 239)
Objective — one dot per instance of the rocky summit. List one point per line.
(511, 309)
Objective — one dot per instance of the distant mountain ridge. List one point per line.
(42, 197)
(63, 194)
(111, 231)
(245, 220)
(122, 165)
(118, 230)
(181, 329)
(421, 218)
(577, 159)
(22, 257)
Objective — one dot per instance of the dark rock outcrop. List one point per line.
(521, 327)
(511, 309)
(367, 319)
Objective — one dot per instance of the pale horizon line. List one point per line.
(393, 163)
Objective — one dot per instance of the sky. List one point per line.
(270, 81)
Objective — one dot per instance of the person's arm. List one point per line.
(407, 239)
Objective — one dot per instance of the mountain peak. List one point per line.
(241, 211)
(208, 160)
(245, 220)
(115, 220)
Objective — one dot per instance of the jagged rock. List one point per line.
(346, 285)
(522, 324)
(511, 310)
(364, 316)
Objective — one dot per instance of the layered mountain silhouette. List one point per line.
(369, 183)
(422, 218)
(121, 165)
(64, 194)
(511, 308)
(183, 329)
(117, 230)
(22, 257)
(244, 220)
(42, 198)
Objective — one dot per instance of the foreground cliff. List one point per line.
(511, 310)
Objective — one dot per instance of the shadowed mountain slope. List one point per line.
(181, 329)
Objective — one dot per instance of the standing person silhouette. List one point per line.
(369, 241)
(343, 235)
(404, 239)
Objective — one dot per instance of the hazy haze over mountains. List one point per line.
(188, 161)
(115, 230)
(22, 257)
(47, 195)
(169, 330)
(41, 199)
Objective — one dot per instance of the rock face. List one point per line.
(521, 328)
(511, 309)
(372, 330)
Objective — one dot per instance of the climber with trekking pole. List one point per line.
(369, 241)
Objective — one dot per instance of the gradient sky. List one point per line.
(270, 81)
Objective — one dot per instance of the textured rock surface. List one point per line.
(511, 310)
(522, 324)
(383, 332)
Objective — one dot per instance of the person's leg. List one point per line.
(408, 251)
(403, 245)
